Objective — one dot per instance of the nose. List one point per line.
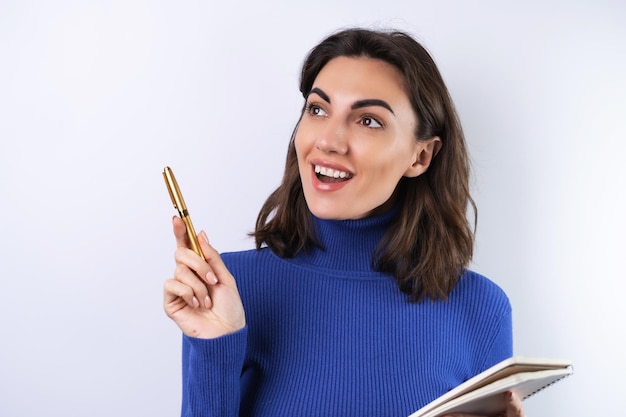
(332, 139)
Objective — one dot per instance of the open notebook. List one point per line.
(483, 394)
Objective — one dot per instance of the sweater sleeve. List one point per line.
(500, 344)
(211, 375)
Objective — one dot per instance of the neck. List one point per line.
(348, 245)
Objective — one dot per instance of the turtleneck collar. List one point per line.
(348, 245)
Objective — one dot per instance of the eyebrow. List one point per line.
(372, 102)
(358, 104)
(320, 93)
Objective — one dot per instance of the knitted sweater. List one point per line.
(326, 335)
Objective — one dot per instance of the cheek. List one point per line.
(298, 138)
(385, 168)
(300, 152)
(381, 159)
(303, 142)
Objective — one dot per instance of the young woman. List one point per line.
(357, 298)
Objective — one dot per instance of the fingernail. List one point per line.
(210, 277)
(204, 236)
(207, 302)
(196, 303)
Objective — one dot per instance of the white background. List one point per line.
(97, 97)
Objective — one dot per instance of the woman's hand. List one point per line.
(202, 298)
(513, 408)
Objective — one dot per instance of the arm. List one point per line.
(203, 300)
(501, 347)
(211, 375)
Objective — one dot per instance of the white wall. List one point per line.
(96, 97)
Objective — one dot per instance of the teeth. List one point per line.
(329, 172)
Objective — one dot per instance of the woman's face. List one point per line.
(356, 139)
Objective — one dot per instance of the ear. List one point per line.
(425, 151)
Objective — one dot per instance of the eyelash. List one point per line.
(371, 118)
(310, 108)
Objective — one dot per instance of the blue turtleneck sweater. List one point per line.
(326, 335)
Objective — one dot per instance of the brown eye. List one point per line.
(315, 110)
(371, 122)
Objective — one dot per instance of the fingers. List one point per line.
(192, 279)
(196, 293)
(180, 232)
(218, 270)
(186, 285)
(514, 405)
(182, 241)
(513, 408)
(196, 275)
(175, 291)
(194, 267)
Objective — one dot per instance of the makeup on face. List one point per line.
(355, 139)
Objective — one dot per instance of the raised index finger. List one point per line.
(180, 233)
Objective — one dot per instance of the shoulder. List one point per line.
(477, 296)
(483, 310)
(473, 284)
(253, 264)
(240, 255)
(248, 258)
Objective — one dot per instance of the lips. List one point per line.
(329, 176)
(326, 174)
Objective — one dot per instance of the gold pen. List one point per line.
(179, 204)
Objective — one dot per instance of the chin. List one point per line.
(337, 213)
(333, 213)
(329, 213)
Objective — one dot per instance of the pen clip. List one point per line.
(172, 188)
(179, 204)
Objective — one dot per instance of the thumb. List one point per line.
(514, 405)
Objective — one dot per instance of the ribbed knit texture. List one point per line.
(328, 336)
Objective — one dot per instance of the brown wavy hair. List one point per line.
(430, 242)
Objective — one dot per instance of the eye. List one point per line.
(315, 110)
(370, 122)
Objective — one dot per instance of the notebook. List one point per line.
(483, 393)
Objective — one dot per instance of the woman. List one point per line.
(357, 298)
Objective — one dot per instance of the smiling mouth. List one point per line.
(329, 175)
